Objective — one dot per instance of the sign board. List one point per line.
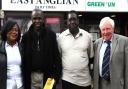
(106, 5)
(45, 5)
(66, 5)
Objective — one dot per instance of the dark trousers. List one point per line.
(68, 85)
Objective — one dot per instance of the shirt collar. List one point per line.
(105, 40)
(110, 40)
(6, 44)
(79, 33)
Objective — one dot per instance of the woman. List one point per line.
(11, 57)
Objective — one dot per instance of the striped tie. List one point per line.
(105, 65)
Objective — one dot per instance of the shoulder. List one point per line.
(122, 40)
(25, 35)
(29, 31)
(98, 41)
(120, 37)
(2, 47)
(50, 33)
(64, 32)
(62, 36)
(85, 33)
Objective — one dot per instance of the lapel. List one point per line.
(2, 47)
(114, 45)
(20, 49)
(98, 51)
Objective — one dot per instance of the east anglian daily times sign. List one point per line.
(45, 5)
(66, 5)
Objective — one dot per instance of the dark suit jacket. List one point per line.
(118, 63)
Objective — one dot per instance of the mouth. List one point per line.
(73, 25)
(37, 25)
(14, 36)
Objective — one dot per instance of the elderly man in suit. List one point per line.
(111, 58)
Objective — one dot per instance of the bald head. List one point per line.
(72, 14)
(37, 13)
(37, 19)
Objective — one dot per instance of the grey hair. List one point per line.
(106, 19)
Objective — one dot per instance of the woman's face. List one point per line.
(12, 34)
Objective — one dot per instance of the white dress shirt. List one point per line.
(76, 52)
(14, 78)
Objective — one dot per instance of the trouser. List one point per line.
(21, 88)
(15, 87)
(12, 85)
(68, 85)
(38, 80)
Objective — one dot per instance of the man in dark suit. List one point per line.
(111, 58)
(41, 54)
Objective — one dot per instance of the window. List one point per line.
(53, 23)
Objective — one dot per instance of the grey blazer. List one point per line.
(118, 62)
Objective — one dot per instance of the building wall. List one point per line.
(88, 21)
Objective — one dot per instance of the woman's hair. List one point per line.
(7, 27)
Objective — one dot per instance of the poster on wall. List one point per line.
(53, 23)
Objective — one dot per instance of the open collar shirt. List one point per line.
(76, 52)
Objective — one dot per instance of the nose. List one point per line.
(72, 21)
(105, 31)
(36, 20)
(15, 32)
